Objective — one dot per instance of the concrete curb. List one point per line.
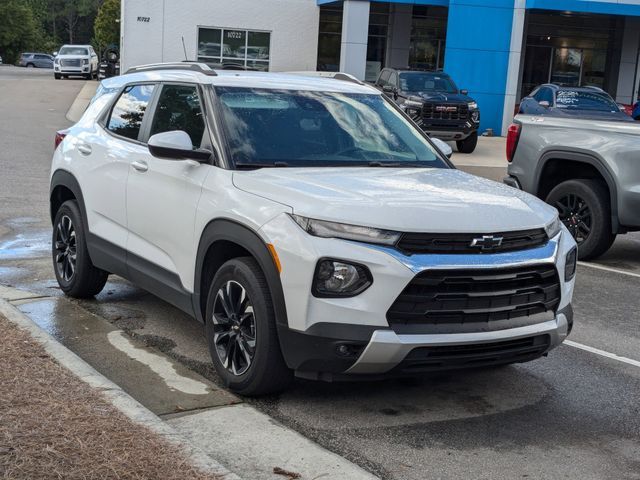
(81, 101)
(113, 393)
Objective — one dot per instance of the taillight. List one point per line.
(60, 134)
(513, 134)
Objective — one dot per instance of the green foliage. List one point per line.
(44, 25)
(18, 30)
(107, 27)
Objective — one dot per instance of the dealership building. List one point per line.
(499, 50)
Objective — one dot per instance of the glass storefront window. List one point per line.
(428, 36)
(329, 38)
(571, 49)
(245, 48)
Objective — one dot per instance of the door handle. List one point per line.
(140, 165)
(84, 149)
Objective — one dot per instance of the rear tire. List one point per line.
(468, 145)
(585, 209)
(76, 274)
(241, 330)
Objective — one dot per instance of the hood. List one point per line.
(407, 200)
(441, 97)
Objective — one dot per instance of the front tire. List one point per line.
(241, 330)
(57, 76)
(76, 274)
(468, 145)
(585, 209)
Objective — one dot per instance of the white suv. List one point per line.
(80, 60)
(308, 223)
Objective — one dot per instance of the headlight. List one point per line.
(56, 61)
(85, 61)
(473, 105)
(338, 278)
(324, 229)
(553, 228)
(412, 104)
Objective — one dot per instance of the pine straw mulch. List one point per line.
(53, 425)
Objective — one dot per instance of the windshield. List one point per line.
(73, 51)
(305, 128)
(426, 82)
(579, 100)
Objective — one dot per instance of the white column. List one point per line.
(355, 30)
(400, 38)
(513, 72)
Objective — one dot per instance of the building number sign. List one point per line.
(144, 19)
(233, 34)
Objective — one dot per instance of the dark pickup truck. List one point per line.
(434, 102)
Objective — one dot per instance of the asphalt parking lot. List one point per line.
(574, 414)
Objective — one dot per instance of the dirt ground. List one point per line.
(53, 425)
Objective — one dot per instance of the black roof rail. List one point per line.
(198, 67)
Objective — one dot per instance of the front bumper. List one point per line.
(83, 70)
(318, 327)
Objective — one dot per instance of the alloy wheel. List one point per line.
(234, 328)
(576, 215)
(65, 248)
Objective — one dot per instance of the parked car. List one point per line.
(78, 60)
(35, 60)
(434, 101)
(0, 60)
(635, 111)
(308, 223)
(588, 170)
(577, 102)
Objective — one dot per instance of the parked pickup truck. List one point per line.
(588, 169)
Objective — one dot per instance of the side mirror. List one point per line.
(544, 103)
(176, 145)
(464, 92)
(389, 89)
(55, 54)
(444, 147)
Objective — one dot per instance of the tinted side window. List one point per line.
(384, 78)
(393, 79)
(179, 109)
(128, 112)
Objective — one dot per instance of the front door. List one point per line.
(163, 195)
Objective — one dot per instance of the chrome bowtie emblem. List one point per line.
(487, 242)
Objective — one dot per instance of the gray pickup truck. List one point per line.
(588, 169)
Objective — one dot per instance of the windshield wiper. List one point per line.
(255, 165)
(394, 164)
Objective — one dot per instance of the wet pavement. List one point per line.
(574, 414)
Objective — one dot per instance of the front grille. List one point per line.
(70, 62)
(443, 111)
(425, 359)
(448, 298)
(411, 243)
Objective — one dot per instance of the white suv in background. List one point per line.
(78, 60)
(308, 223)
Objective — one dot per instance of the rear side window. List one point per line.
(128, 112)
(384, 78)
(179, 109)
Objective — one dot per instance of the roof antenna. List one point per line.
(185, 50)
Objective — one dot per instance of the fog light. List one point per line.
(349, 350)
(570, 264)
(335, 278)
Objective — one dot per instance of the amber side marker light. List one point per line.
(274, 255)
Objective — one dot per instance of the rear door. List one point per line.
(107, 153)
(163, 194)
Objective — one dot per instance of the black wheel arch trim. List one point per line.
(589, 159)
(64, 178)
(245, 237)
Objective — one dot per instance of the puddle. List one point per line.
(23, 245)
(158, 364)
